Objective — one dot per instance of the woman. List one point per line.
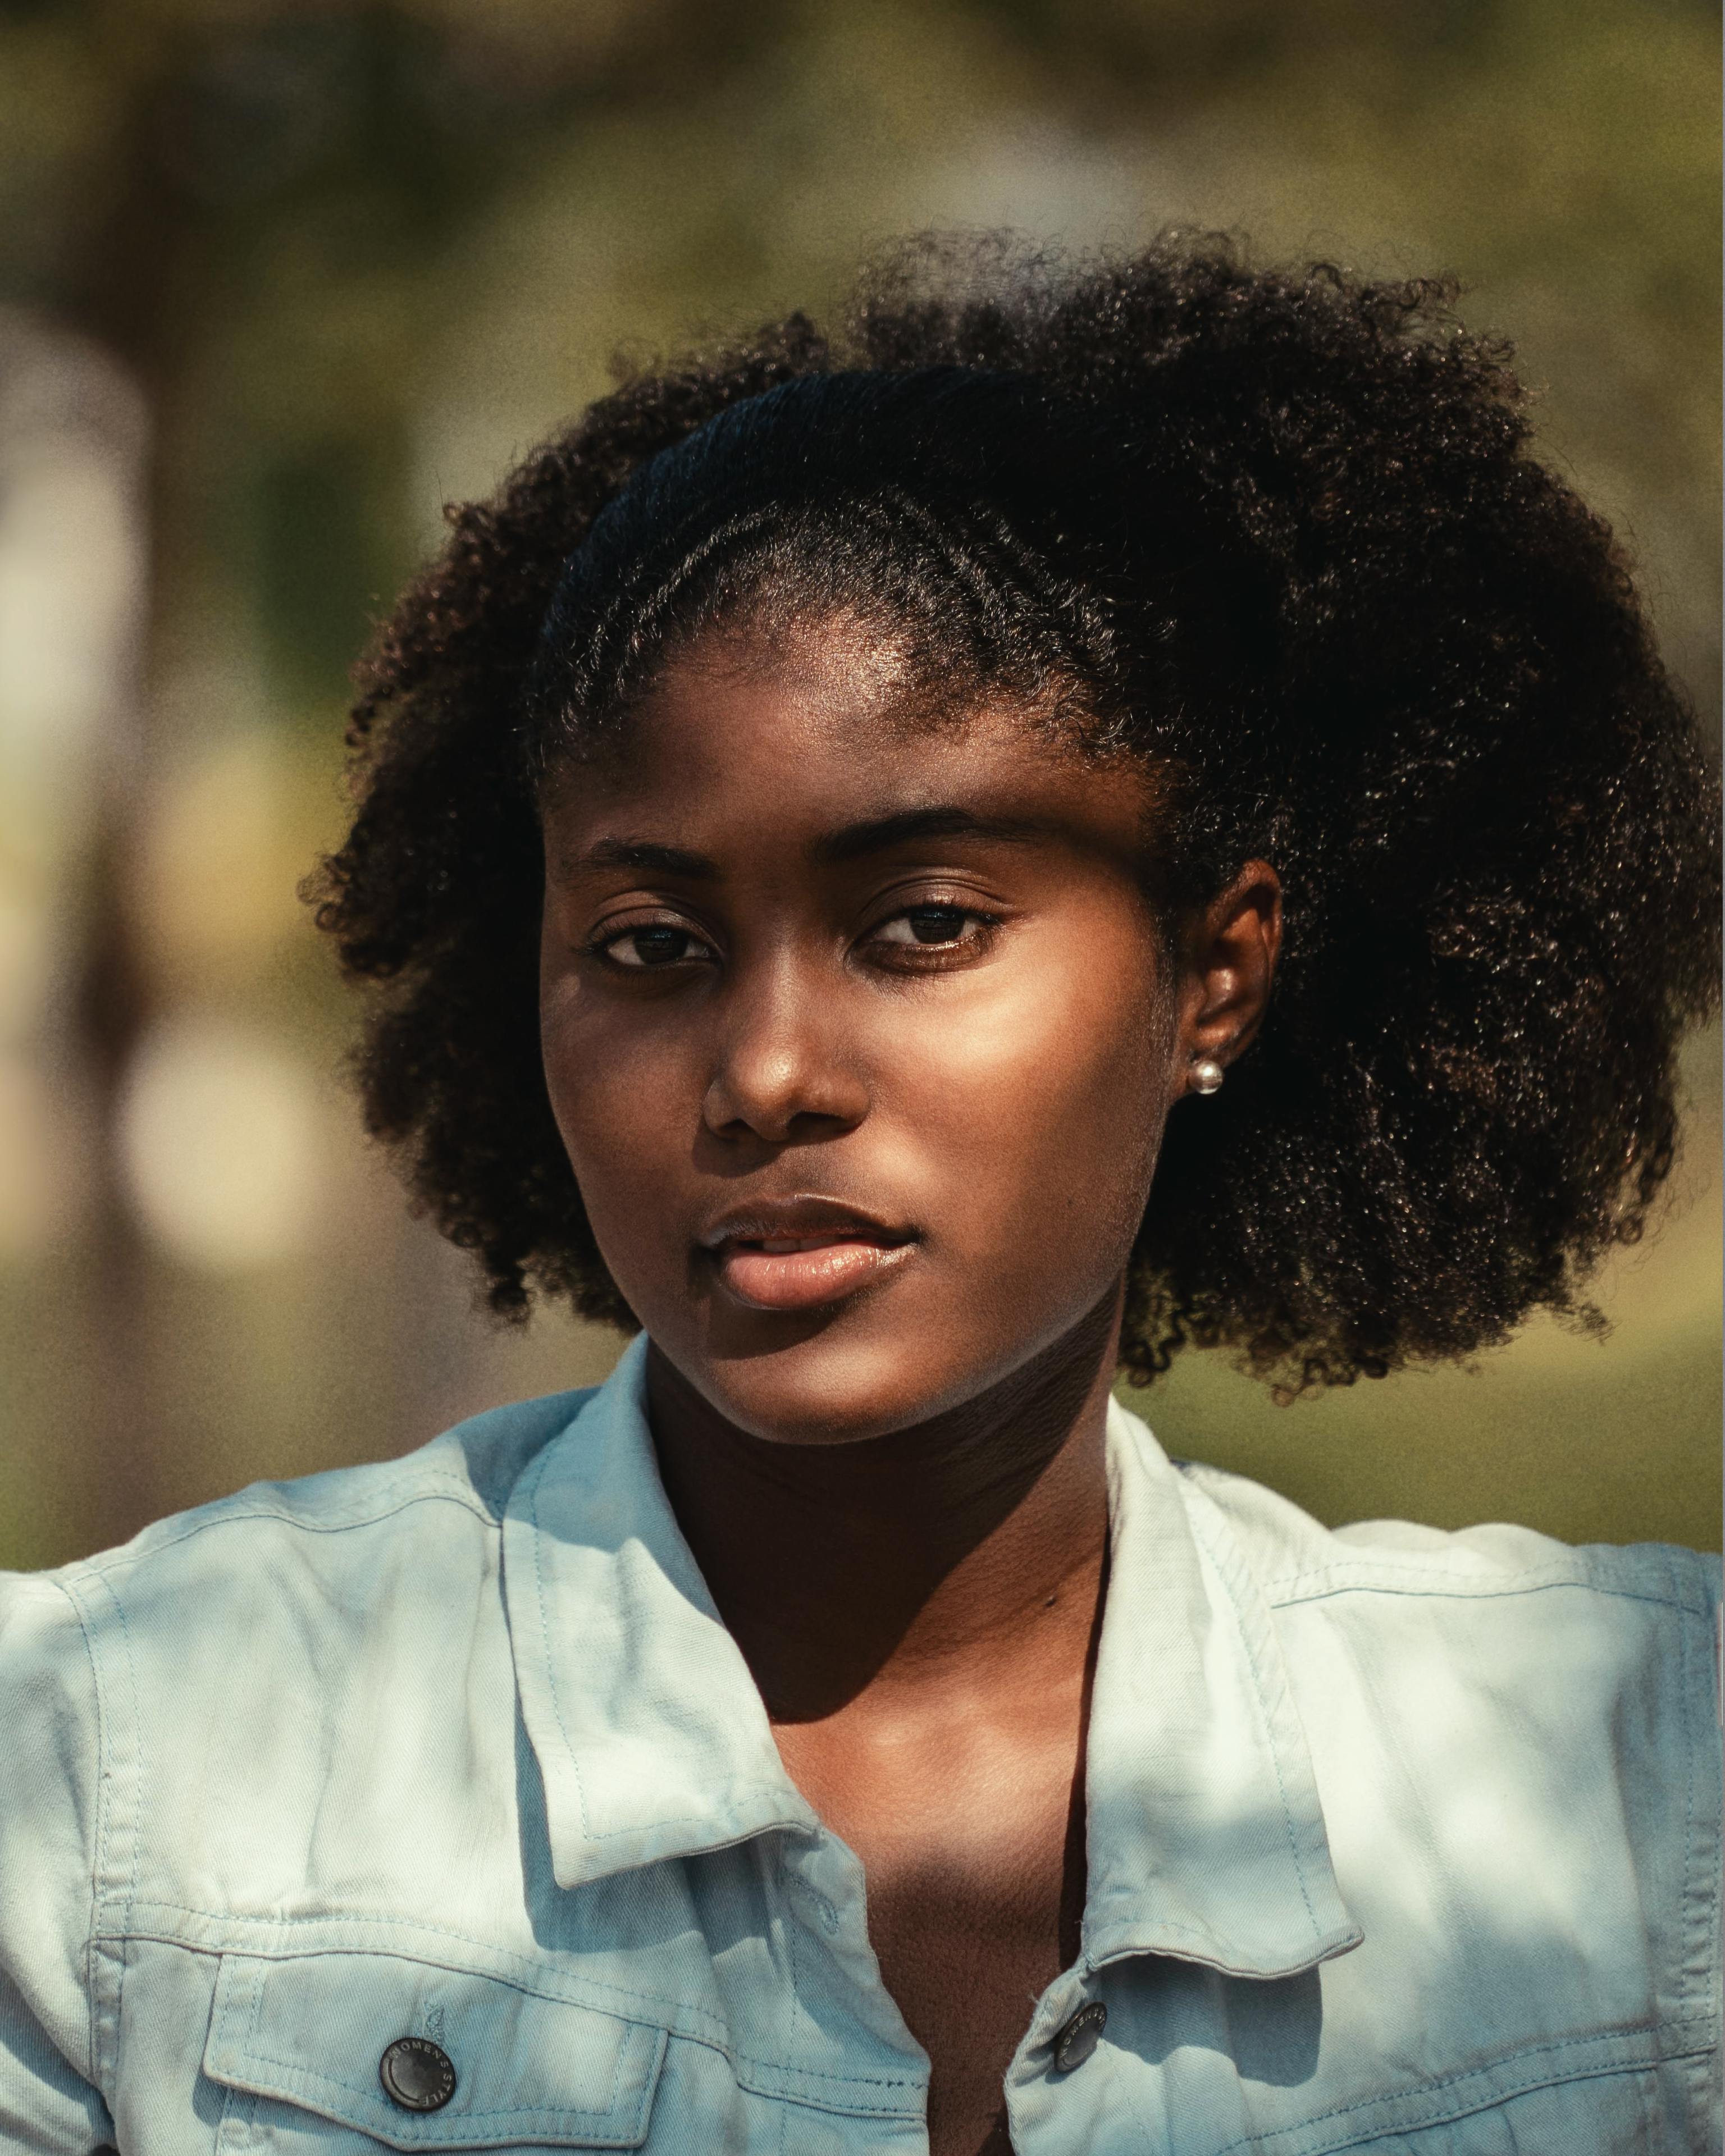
(1099, 811)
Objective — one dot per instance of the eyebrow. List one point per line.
(644, 854)
(851, 842)
(946, 821)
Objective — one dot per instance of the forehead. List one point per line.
(824, 731)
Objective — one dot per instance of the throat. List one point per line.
(955, 1555)
(921, 1613)
(966, 1809)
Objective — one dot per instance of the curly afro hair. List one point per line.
(1277, 531)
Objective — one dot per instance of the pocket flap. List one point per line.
(530, 2071)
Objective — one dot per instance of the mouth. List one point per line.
(803, 1252)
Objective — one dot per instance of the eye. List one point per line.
(936, 927)
(659, 944)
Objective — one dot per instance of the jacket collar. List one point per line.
(1206, 1840)
(650, 1735)
(1205, 1834)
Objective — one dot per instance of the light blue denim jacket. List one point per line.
(1397, 1839)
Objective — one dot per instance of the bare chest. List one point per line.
(975, 1880)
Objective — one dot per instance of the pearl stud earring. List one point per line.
(1207, 1074)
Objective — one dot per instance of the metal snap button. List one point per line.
(417, 2074)
(1081, 2035)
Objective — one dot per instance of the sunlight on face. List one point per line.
(858, 1037)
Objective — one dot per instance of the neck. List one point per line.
(919, 1557)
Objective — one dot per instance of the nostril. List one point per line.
(781, 1107)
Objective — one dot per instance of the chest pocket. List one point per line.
(299, 2043)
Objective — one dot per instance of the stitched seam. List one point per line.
(717, 2041)
(257, 1964)
(1418, 1583)
(791, 1928)
(99, 1837)
(284, 1926)
(1692, 1897)
(788, 1888)
(1467, 2074)
(1221, 1572)
(123, 1959)
(140, 1776)
(258, 1974)
(256, 2055)
(240, 2105)
(1568, 1564)
(742, 1834)
(616, 2072)
(287, 1924)
(1205, 1938)
(1686, 1924)
(536, 1476)
(781, 2069)
(456, 1493)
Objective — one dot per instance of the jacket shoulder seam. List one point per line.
(99, 1825)
(229, 1513)
(1352, 1575)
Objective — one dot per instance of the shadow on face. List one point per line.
(859, 1029)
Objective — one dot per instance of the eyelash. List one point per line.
(916, 957)
(912, 956)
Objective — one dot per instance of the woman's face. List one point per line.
(858, 1034)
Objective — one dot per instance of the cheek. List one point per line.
(1015, 1116)
(621, 1096)
(1040, 1098)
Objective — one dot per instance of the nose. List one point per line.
(783, 1070)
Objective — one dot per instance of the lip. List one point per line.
(802, 1253)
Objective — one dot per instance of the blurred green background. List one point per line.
(276, 281)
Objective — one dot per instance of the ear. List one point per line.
(1229, 952)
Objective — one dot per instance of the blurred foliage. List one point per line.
(358, 257)
(310, 229)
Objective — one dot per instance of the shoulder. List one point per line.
(279, 1576)
(1517, 1747)
(1428, 1659)
(1601, 1646)
(189, 1707)
(474, 1466)
(1503, 1723)
(1562, 1675)
(1295, 1559)
(321, 1525)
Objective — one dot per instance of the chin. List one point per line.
(826, 1389)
